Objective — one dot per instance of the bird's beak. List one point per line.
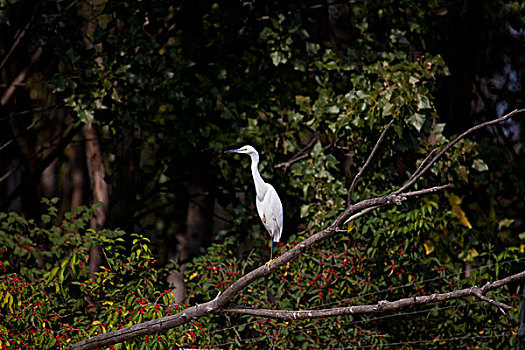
(232, 151)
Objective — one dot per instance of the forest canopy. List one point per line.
(118, 206)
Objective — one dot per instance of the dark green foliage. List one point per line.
(187, 80)
(363, 266)
(45, 293)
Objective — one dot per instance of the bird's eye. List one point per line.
(244, 149)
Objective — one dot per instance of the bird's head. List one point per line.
(244, 149)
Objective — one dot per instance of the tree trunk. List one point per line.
(198, 221)
(198, 231)
(77, 174)
(124, 191)
(99, 190)
(48, 180)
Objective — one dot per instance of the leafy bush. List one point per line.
(47, 299)
(383, 257)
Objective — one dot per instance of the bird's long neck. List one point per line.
(257, 179)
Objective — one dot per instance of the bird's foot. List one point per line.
(267, 265)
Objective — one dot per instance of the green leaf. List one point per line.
(45, 218)
(417, 120)
(480, 165)
(304, 210)
(423, 102)
(278, 57)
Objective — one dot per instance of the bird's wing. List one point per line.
(270, 211)
(260, 210)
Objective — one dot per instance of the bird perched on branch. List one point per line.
(268, 204)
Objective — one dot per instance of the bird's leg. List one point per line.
(267, 265)
(271, 249)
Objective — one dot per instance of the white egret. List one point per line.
(268, 204)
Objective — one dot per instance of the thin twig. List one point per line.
(352, 208)
(416, 173)
(427, 190)
(299, 156)
(32, 110)
(9, 173)
(42, 165)
(19, 37)
(452, 143)
(361, 213)
(107, 260)
(29, 127)
(19, 78)
(501, 307)
(363, 168)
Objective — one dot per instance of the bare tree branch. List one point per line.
(32, 110)
(370, 204)
(453, 142)
(363, 168)
(423, 163)
(194, 312)
(502, 307)
(29, 127)
(302, 155)
(427, 190)
(9, 173)
(19, 78)
(352, 208)
(19, 35)
(42, 165)
(299, 156)
(352, 212)
(383, 305)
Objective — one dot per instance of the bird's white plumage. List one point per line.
(270, 211)
(268, 203)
